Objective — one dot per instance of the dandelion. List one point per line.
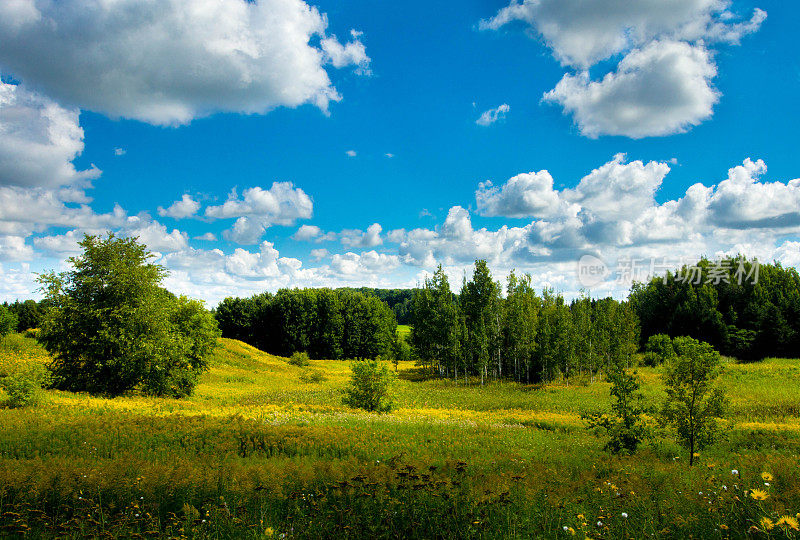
(767, 524)
(581, 517)
(759, 495)
(766, 476)
(268, 532)
(723, 527)
(788, 522)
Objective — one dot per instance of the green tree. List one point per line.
(370, 386)
(8, 321)
(111, 328)
(694, 402)
(480, 303)
(628, 430)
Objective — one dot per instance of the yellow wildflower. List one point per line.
(759, 495)
(581, 517)
(789, 523)
(767, 524)
(723, 527)
(766, 476)
(268, 532)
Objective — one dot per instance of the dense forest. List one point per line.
(744, 309)
(324, 323)
(522, 336)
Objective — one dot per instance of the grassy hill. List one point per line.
(264, 448)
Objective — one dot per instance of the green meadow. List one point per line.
(262, 449)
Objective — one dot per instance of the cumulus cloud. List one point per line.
(662, 89)
(307, 232)
(661, 86)
(170, 62)
(38, 140)
(184, 208)
(259, 208)
(525, 195)
(351, 153)
(208, 237)
(487, 118)
(358, 238)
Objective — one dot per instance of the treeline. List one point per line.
(743, 308)
(22, 315)
(524, 337)
(324, 323)
(398, 300)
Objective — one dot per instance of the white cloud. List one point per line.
(62, 244)
(307, 232)
(389, 155)
(358, 238)
(352, 53)
(351, 153)
(184, 208)
(14, 248)
(208, 237)
(525, 195)
(258, 209)
(491, 116)
(172, 61)
(319, 254)
(662, 89)
(38, 140)
(119, 152)
(662, 85)
(581, 33)
(156, 237)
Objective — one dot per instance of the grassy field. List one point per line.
(404, 331)
(259, 452)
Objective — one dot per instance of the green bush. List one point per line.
(658, 349)
(24, 387)
(299, 359)
(312, 376)
(370, 385)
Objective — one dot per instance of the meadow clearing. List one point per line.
(265, 449)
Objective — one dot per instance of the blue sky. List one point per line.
(374, 119)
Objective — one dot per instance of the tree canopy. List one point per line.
(111, 327)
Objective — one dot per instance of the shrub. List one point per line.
(299, 359)
(658, 349)
(312, 376)
(370, 385)
(24, 386)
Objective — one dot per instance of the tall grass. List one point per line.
(260, 452)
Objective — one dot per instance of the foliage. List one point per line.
(111, 327)
(29, 314)
(658, 349)
(299, 359)
(24, 387)
(523, 337)
(694, 401)
(370, 387)
(312, 376)
(743, 308)
(325, 323)
(8, 321)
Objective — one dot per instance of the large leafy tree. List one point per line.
(111, 327)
